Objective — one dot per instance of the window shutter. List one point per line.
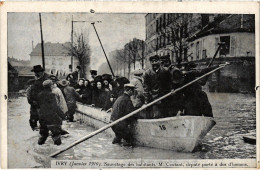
(233, 46)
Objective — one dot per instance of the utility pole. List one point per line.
(72, 43)
(43, 61)
(93, 23)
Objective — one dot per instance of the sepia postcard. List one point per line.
(129, 85)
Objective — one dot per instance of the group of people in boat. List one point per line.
(53, 100)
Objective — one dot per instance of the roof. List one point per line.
(51, 49)
(227, 24)
(24, 71)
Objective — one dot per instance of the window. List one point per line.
(197, 50)
(157, 25)
(204, 53)
(225, 50)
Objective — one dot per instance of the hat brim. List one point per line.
(40, 70)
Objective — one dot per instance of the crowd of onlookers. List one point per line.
(101, 91)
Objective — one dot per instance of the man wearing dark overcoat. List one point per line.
(35, 88)
(157, 82)
(123, 106)
(50, 114)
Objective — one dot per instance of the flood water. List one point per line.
(234, 114)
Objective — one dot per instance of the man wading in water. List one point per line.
(123, 106)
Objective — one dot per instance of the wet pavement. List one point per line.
(234, 114)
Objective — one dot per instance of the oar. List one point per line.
(131, 114)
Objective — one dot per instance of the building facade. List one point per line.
(196, 37)
(57, 58)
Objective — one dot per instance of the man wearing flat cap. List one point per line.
(71, 97)
(123, 106)
(50, 114)
(157, 82)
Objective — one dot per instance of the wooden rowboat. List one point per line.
(180, 133)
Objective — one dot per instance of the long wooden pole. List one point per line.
(211, 61)
(103, 50)
(131, 114)
(42, 44)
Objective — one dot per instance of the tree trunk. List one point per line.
(129, 67)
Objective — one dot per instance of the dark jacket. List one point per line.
(101, 99)
(75, 75)
(156, 84)
(122, 106)
(50, 112)
(71, 96)
(38, 87)
(87, 95)
(192, 75)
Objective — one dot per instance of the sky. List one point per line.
(115, 31)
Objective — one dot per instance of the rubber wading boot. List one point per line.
(116, 140)
(57, 141)
(42, 140)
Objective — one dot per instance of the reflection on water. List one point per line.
(234, 114)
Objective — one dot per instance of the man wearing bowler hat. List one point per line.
(157, 82)
(93, 74)
(40, 77)
(76, 73)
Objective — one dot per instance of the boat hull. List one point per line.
(180, 133)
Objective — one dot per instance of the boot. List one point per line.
(116, 140)
(64, 132)
(57, 141)
(42, 140)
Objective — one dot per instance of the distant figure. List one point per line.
(50, 114)
(76, 74)
(71, 80)
(71, 96)
(157, 82)
(123, 106)
(93, 74)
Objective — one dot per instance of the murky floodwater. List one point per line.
(234, 114)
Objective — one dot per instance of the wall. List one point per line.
(243, 43)
(55, 63)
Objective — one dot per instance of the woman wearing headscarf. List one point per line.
(101, 97)
(87, 92)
